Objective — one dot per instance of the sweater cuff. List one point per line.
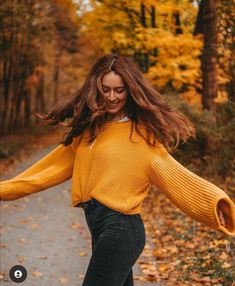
(226, 205)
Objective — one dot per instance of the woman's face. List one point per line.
(114, 94)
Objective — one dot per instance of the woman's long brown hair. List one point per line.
(145, 106)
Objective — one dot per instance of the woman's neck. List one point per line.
(116, 117)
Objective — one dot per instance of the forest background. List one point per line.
(186, 48)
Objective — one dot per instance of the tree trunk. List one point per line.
(40, 102)
(143, 15)
(15, 122)
(56, 74)
(209, 55)
(8, 37)
(231, 84)
(178, 29)
(146, 62)
(153, 25)
(153, 17)
(7, 64)
(199, 22)
(27, 108)
(145, 58)
(16, 116)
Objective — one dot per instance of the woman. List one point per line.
(121, 133)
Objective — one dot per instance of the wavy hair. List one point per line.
(145, 106)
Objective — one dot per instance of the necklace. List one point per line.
(120, 119)
(125, 118)
(92, 144)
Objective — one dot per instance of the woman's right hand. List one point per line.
(221, 216)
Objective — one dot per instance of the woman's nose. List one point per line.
(111, 96)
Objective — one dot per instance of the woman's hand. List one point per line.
(221, 216)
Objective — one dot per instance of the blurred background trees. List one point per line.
(184, 47)
(40, 58)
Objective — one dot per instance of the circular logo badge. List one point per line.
(18, 273)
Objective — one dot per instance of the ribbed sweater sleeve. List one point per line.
(194, 195)
(56, 167)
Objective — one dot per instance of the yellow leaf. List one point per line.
(43, 257)
(75, 225)
(163, 267)
(21, 259)
(226, 265)
(22, 240)
(82, 253)
(35, 226)
(63, 280)
(224, 256)
(37, 274)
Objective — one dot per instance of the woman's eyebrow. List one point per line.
(115, 87)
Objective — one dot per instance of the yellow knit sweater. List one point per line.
(118, 173)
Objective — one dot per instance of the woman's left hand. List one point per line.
(221, 216)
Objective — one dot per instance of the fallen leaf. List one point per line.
(226, 265)
(22, 240)
(150, 277)
(63, 280)
(75, 225)
(82, 253)
(224, 256)
(43, 257)
(35, 226)
(205, 279)
(163, 267)
(21, 259)
(37, 274)
(159, 254)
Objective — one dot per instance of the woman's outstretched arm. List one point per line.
(55, 168)
(195, 196)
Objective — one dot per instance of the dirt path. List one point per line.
(49, 237)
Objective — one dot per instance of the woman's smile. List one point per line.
(112, 105)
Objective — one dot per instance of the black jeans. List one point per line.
(117, 242)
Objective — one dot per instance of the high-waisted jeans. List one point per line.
(117, 241)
